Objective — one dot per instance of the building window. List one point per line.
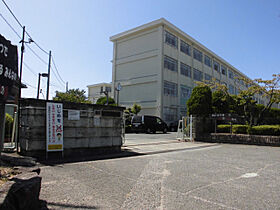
(185, 94)
(207, 77)
(170, 89)
(224, 70)
(197, 55)
(186, 70)
(185, 48)
(170, 114)
(171, 39)
(197, 75)
(170, 63)
(230, 74)
(216, 66)
(231, 89)
(207, 61)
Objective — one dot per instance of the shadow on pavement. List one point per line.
(56, 160)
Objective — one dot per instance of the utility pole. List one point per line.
(66, 86)
(21, 61)
(49, 71)
(20, 78)
(38, 91)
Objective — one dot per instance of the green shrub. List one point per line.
(8, 125)
(239, 129)
(273, 130)
(223, 129)
(200, 102)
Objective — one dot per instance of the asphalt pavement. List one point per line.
(168, 175)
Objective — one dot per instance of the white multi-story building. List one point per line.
(157, 65)
(96, 91)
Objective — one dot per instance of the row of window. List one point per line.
(171, 89)
(172, 40)
(186, 70)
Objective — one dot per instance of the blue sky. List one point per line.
(246, 33)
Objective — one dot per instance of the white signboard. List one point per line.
(73, 115)
(54, 127)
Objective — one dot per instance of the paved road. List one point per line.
(213, 177)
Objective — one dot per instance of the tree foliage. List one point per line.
(221, 102)
(244, 102)
(103, 101)
(200, 102)
(136, 108)
(72, 95)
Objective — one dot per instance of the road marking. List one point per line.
(249, 175)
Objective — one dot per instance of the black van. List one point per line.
(148, 124)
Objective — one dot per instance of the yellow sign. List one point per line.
(55, 146)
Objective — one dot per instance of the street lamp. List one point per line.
(39, 79)
(118, 88)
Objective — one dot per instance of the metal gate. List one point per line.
(185, 129)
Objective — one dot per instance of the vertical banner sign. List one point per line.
(54, 127)
(8, 67)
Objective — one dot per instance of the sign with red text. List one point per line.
(8, 67)
(54, 127)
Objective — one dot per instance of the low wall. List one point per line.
(98, 129)
(240, 139)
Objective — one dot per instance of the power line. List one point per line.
(57, 71)
(59, 78)
(37, 44)
(28, 84)
(41, 59)
(10, 26)
(28, 67)
(12, 13)
(22, 27)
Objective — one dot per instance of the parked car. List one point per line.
(173, 126)
(148, 124)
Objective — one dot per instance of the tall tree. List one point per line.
(103, 101)
(200, 102)
(72, 95)
(136, 109)
(269, 89)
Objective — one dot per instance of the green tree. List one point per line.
(136, 109)
(221, 102)
(103, 101)
(269, 89)
(8, 125)
(72, 95)
(200, 102)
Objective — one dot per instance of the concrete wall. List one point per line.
(85, 133)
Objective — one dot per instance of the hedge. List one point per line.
(242, 129)
(265, 130)
(223, 129)
(272, 130)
